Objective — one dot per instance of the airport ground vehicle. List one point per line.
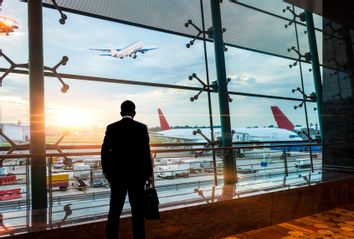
(8, 188)
(246, 170)
(174, 170)
(303, 163)
(59, 180)
(179, 168)
(97, 178)
(81, 170)
(3, 171)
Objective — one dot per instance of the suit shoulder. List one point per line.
(139, 124)
(113, 125)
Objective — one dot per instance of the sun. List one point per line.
(72, 118)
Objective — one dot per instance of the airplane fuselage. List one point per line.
(240, 134)
(128, 50)
(131, 50)
(249, 134)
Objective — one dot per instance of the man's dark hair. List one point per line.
(127, 108)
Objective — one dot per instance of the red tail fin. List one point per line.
(163, 122)
(282, 121)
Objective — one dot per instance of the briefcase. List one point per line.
(151, 203)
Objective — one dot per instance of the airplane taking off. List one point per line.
(130, 50)
(240, 134)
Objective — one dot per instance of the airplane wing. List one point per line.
(100, 49)
(143, 50)
(105, 52)
(186, 139)
(103, 49)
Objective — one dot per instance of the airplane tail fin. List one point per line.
(282, 121)
(163, 122)
(112, 50)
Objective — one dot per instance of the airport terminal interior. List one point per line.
(248, 105)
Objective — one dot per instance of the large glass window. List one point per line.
(167, 76)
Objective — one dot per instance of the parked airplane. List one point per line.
(130, 50)
(239, 134)
(249, 134)
(284, 123)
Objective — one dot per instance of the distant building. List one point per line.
(16, 132)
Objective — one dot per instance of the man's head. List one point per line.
(127, 108)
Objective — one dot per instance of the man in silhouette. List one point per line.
(126, 163)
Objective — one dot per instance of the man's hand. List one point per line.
(150, 181)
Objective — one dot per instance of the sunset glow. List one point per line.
(70, 118)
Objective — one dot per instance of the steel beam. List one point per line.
(315, 64)
(230, 174)
(36, 98)
(151, 84)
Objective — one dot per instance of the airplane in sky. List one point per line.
(128, 51)
(249, 134)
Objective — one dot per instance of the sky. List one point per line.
(97, 104)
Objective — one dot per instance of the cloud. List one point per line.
(14, 108)
(244, 80)
(14, 100)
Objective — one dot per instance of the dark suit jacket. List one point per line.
(125, 153)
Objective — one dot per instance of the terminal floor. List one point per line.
(337, 223)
